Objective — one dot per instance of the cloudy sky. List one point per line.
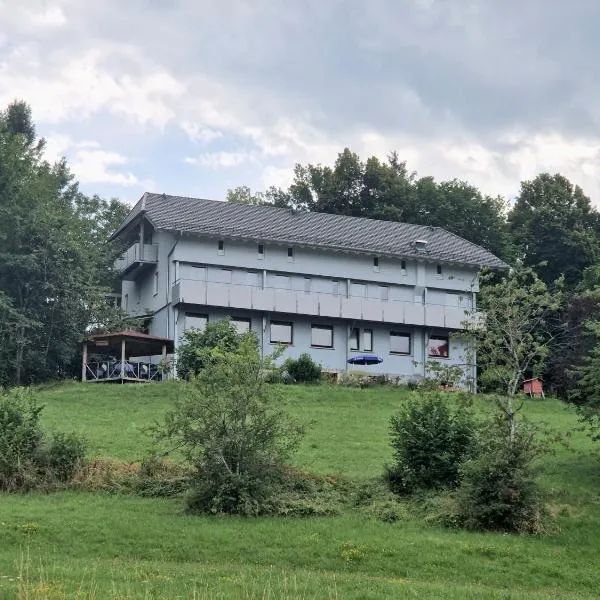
(193, 97)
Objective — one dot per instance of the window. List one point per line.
(439, 270)
(354, 334)
(126, 302)
(195, 321)
(307, 282)
(368, 340)
(156, 283)
(221, 247)
(376, 263)
(242, 325)
(384, 293)
(322, 336)
(438, 346)
(281, 332)
(261, 251)
(399, 342)
(403, 265)
(290, 254)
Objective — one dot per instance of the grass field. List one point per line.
(85, 545)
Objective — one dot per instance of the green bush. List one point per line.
(303, 369)
(233, 432)
(63, 455)
(430, 437)
(27, 460)
(498, 490)
(20, 440)
(199, 347)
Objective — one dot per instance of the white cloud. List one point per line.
(90, 163)
(83, 86)
(200, 134)
(221, 160)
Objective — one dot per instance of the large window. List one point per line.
(281, 332)
(354, 337)
(438, 346)
(195, 321)
(241, 324)
(368, 340)
(321, 336)
(399, 342)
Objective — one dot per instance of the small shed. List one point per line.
(534, 387)
(116, 357)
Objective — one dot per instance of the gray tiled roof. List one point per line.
(281, 225)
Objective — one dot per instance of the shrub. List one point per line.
(303, 369)
(498, 490)
(199, 347)
(27, 460)
(20, 439)
(356, 379)
(63, 455)
(233, 433)
(430, 438)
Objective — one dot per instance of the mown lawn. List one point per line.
(84, 545)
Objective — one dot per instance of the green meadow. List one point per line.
(116, 546)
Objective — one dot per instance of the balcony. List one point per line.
(134, 262)
(226, 295)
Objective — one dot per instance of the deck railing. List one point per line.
(128, 370)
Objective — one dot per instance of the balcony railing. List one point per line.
(238, 296)
(134, 258)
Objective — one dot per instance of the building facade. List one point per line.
(329, 285)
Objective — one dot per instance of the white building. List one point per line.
(330, 285)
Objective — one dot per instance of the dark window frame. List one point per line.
(370, 348)
(195, 315)
(354, 335)
(285, 323)
(317, 326)
(440, 337)
(403, 334)
(242, 320)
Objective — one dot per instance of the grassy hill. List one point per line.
(86, 545)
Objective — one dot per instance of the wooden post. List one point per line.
(84, 363)
(164, 361)
(122, 359)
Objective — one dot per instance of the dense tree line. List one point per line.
(551, 227)
(55, 259)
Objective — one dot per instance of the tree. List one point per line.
(386, 190)
(513, 342)
(55, 263)
(231, 428)
(555, 229)
(199, 346)
(586, 394)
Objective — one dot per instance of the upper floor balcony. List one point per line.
(236, 296)
(136, 260)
